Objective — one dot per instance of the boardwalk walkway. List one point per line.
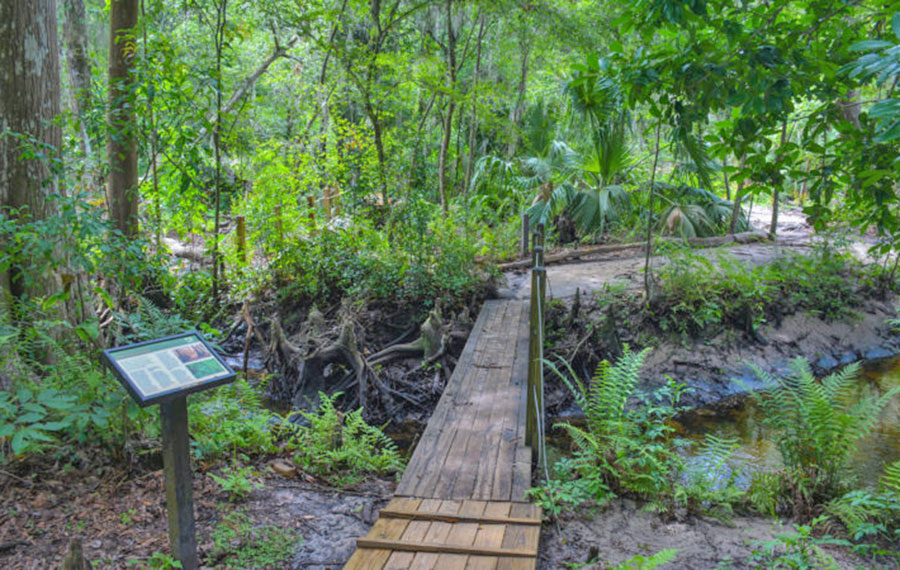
(461, 503)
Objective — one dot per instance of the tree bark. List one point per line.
(473, 118)
(78, 59)
(451, 106)
(122, 189)
(515, 114)
(29, 102)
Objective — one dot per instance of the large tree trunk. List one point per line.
(79, 63)
(451, 106)
(29, 103)
(121, 189)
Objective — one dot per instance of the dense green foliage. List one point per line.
(699, 296)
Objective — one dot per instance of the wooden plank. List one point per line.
(474, 451)
(416, 530)
(520, 537)
(443, 547)
(483, 562)
(459, 517)
(426, 447)
(504, 479)
(499, 443)
(437, 533)
(521, 473)
(462, 533)
(375, 558)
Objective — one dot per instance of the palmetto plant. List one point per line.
(695, 212)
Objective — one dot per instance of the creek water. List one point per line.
(741, 419)
(757, 450)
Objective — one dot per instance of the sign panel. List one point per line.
(159, 370)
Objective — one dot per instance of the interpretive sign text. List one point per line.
(159, 370)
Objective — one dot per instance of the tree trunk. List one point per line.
(29, 103)
(738, 196)
(451, 106)
(515, 114)
(773, 226)
(121, 189)
(473, 119)
(78, 58)
(221, 13)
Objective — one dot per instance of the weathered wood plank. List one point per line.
(462, 533)
(426, 448)
(376, 558)
(441, 546)
(437, 533)
(520, 537)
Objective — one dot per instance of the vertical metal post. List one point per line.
(179, 495)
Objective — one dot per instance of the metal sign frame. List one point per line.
(109, 358)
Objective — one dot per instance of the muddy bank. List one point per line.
(623, 530)
(710, 367)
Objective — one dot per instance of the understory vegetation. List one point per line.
(628, 446)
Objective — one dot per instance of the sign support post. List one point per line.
(178, 477)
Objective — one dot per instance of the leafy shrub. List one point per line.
(795, 550)
(816, 427)
(698, 296)
(342, 447)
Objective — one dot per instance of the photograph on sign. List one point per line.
(152, 370)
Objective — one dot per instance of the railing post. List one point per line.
(525, 234)
(535, 397)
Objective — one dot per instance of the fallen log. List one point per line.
(744, 237)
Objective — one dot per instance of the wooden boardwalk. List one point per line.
(460, 503)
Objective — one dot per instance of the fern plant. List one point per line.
(710, 483)
(341, 447)
(872, 517)
(817, 424)
(627, 444)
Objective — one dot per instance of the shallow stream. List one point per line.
(740, 419)
(757, 451)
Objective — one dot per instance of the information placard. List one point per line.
(159, 370)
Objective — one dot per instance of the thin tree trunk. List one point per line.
(451, 105)
(79, 63)
(121, 190)
(473, 118)
(738, 196)
(151, 123)
(221, 14)
(776, 191)
(647, 276)
(515, 114)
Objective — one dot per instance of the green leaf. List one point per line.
(870, 45)
(890, 133)
(19, 443)
(895, 25)
(7, 430)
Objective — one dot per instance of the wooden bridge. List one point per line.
(461, 501)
